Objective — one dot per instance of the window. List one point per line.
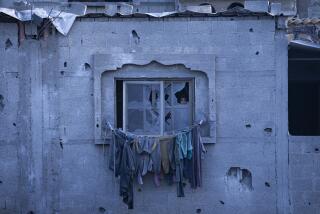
(154, 107)
(304, 91)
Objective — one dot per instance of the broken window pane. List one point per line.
(181, 118)
(181, 93)
(152, 122)
(152, 94)
(167, 93)
(146, 106)
(143, 108)
(168, 120)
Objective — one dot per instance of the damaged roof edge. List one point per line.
(301, 44)
(63, 20)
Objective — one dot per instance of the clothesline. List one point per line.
(177, 157)
(186, 129)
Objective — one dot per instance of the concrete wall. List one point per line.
(51, 152)
(308, 8)
(304, 174)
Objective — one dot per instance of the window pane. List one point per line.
(182, 118)
(135, 121)
(168, 120)
(167, 93)
(152, 95)
(152, 122)
(135, 95)
(181, 93)
(143, 108)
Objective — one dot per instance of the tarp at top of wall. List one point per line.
(63, 17)
(62, 20)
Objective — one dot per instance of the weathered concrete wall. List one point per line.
(304, 174)
(68, 173)
(308, 8)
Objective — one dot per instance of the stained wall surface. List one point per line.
(52, 164)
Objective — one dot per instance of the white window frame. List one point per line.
(161, 82)
(125, 99)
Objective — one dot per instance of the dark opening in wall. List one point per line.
(239, 179)
(119, 103)
(235, 4)
(304, 91)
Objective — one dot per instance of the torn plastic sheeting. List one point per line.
(304, 45)
(62, 21)
(121, 8)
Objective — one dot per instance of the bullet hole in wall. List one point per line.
(248, 125)
(61, 143)
(135, 36)
(1, 182)
(268, 130)
(267, 184)
(8, 44)
(87, 66)
(102, 210)
(62, 72)
(221, 202)
(65, 64)
(97, 125)
(30, 212)
(316, 149)
(257, 53)
(1, 103)
(198, 210)
(250, 30)
(14, 124)
(239, 179)
(139, 190)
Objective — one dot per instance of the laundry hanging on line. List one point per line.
(176, 157)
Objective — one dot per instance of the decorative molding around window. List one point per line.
(152, 74)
